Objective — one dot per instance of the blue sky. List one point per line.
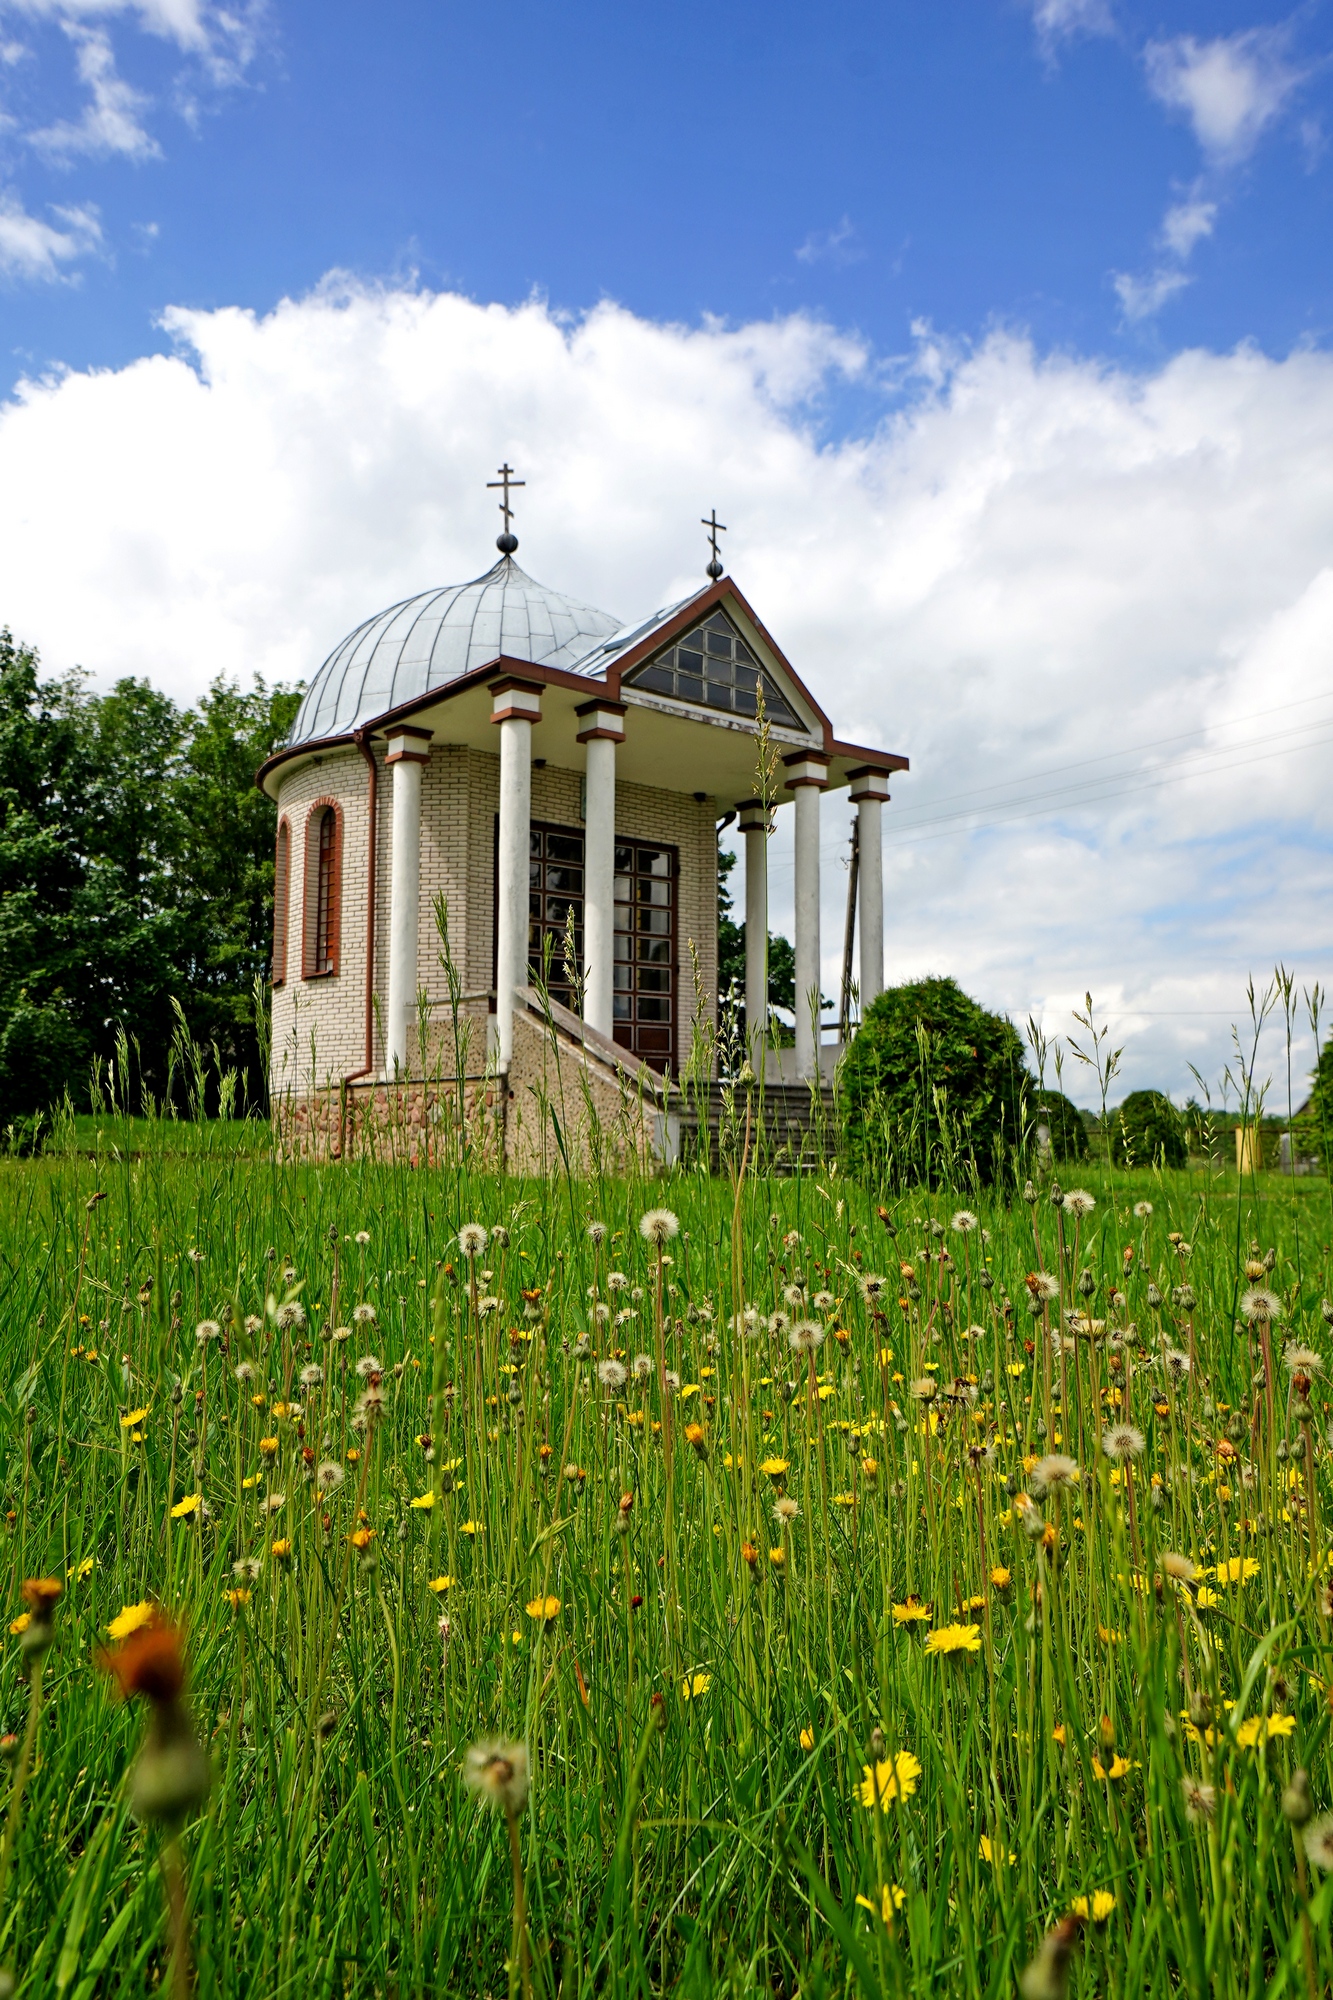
(999, 332)
(880, 164)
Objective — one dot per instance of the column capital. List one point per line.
(870, 782)
(601, 720)
(806, 767)
(516, 699)
(754, 817)
(407, 746)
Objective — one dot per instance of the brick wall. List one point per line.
(331, 1008)
(459, 799)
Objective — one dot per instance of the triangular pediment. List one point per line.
(713, 666)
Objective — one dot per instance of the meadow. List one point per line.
(733, 1585)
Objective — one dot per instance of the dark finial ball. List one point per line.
(506, 544)
(714, 569)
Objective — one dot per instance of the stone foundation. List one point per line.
(572, 1102)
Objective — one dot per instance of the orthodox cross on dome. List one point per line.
(507, 542)
(715, 528)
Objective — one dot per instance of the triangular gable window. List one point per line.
(712, 665)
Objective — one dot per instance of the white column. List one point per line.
(603, 728)
(806, 777)
(869, 792)
(408, 750)
(754, 824)
(515, 707)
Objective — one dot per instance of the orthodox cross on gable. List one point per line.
(507, 542)
(715, 528)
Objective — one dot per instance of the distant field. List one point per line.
(830, 1677)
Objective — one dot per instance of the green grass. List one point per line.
(701, 1845)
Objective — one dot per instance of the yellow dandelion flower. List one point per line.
(1240, 1569)
(892, 1780)
(778, 1558)
(911, 1612)
(774, 1467)
(692, 1688)
(1206, 1599)
(440, 1584)
(990, 1852)
(354, 1456)
(269, 1447)
(133, 1419)
(1000, 1577)
(132, 1618)
(543, 1609)
(955, 1639)
(424, 1501)
(807, 1739)
(1098, 1907)
(1120, 1768)
(237, 1598)
(21, 1623)
(281, 1549)
(891, 1898)
(183, 1508)
(470, 1528)
(86, 1568)
(361, 1538)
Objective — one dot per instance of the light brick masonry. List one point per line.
(326, 1102)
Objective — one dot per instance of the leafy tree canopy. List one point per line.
(1147, 1131)
(1064, 1121)
(136, 867)
(935, 1087)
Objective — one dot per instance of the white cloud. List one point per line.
(1141, 297)
(1231, 89)
(1057, 21)
(1187, 223)
(110, 123)
(832, 246)
(35, 250)
(1033, 562)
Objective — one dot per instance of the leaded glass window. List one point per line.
(713, 666)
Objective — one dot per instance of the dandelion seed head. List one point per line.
(611, 1374)
(1258, 1303)
(1079, 1202)
(498, 1774)
(658, 1226)
(1121, 1442)
(805, 1337)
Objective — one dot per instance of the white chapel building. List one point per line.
(535, 768)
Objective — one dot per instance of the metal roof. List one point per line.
(427, 641)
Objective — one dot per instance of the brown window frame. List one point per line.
(282, 899)
(317, 963)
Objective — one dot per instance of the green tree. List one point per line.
(136, 870)
(731, 948)
(1148, 1131)
(1064, 1121)
(934, 1088)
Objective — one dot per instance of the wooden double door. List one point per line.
(645, 974)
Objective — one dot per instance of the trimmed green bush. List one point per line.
(1148, 1131)
(934, 1088)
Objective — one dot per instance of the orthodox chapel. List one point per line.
(493, 784)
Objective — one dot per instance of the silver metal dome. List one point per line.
(428, 641)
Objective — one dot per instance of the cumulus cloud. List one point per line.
(1030, 563)
(1231, 89)
(35, 250)
(110, 122)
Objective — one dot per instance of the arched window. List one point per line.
(282, 888)
(323, 885)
